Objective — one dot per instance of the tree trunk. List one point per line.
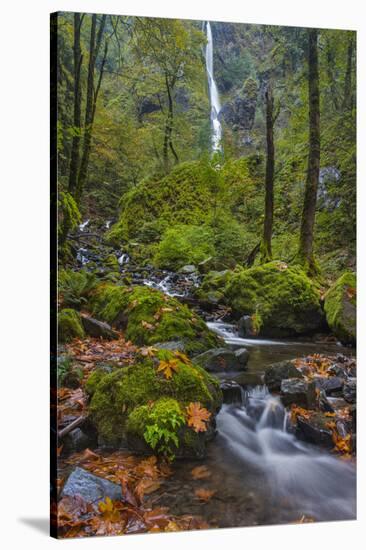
(91, 99)
(266, 245)
(168, 142)
(75, 147)
(305, 253)
(348, 96)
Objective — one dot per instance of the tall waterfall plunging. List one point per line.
(214, 94)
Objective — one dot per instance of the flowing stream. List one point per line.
(214, 94)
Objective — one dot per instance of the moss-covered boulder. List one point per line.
(281, 299)
(340, 308)
(69, 325)
(146, 404)
(148, 316)
(183, 196)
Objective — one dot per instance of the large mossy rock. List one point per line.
(146, 406)
(281, 299)
(148, 316)
(69, 325)
(183, 196)
(340, 308)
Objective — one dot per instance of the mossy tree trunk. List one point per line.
(76, 139)
(306, 253)
(266, 245)
(75, 147)
(348, 96)
(91, 97)
(168, 142)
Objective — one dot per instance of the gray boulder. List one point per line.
(299, 392)
(91, 488)
(98, 329)
(278, 372)
(349, 390)
(223, 360)
(315, 430)
(330, 386)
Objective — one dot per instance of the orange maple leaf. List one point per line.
(200, 472)
(168, 367)
(204, 494)
(197, 417)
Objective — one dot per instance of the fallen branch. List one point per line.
(74, 424)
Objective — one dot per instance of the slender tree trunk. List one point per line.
(348, 97)
(331, 78)
(266, 246)
(75, 147)
(168, 142)
(305, 253)
(91, 99)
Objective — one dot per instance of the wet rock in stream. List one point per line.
(91, 488)
(223, 360)
(277, 372)
(298, 392)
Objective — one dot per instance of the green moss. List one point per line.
(108, 301)
(116, 395)
(183, 196)
(184, 244)
(69, 325)
(340, 308)
(112, 263)
(282, 298)
(149, 316)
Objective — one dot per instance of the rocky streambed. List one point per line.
(280, 449)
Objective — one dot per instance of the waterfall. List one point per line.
(214, 94)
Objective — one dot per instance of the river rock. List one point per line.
(299, 392)
(188, 269)
(331, 386)
(98, 329)
(223, 359)
(77, 440)
(249, 378)
(90, 487)
(174, 345)
(246, 328)
(232, 392)
(277, 372)
(349, 390)
(315, 430)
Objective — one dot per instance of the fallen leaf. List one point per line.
(204, 494)
(200, 472)
(197, 417)
(168, 367)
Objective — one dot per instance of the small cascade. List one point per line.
(216, 128)
(257, 434)
(123, 259)
(83, 225)
(81, 256)
(231, 336)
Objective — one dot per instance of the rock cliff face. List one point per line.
(238, 83)
(239, 113)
